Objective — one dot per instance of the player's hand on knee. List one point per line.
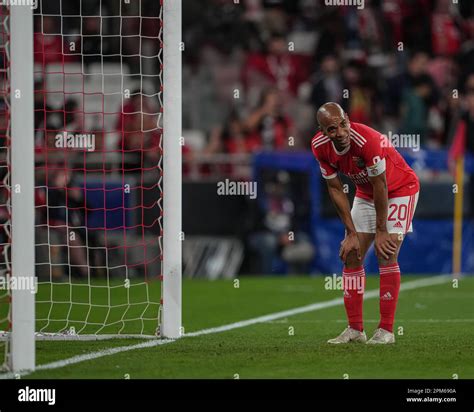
(384, 245)
(350, 245)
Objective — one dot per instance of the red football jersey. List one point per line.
(369, 154)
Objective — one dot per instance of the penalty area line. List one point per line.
(371, 294)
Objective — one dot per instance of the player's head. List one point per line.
(334, 123)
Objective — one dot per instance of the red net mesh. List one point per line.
(98, 166)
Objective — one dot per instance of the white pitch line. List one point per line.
(415, 284)
(316, 306)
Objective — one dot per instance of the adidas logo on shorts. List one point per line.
(398, 225)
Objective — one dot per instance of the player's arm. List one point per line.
(374, 157)
(384, 245)
(341, 203)
(379, 184)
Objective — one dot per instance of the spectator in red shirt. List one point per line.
(280, 67)
(49, 45)
(140, 132)
(230, 138)
(267, 126)
(445, 33)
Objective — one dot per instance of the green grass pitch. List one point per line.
(434, 332)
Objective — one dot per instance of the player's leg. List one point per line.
(365, 241)
(353, 273)
(399, 223)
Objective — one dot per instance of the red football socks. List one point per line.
(354, 285)
(389, 288)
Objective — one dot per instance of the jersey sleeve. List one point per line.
(327, 171)
(373, 154)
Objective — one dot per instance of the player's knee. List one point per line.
(352, 262)
(391, 260)
(398, 240)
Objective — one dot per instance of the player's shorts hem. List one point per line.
(330, 176)
(399, 218)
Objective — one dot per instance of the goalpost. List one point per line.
(91, 169)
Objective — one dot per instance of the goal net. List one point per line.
(105, 202)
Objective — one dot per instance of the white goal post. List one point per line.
(24, 331)
(172, 270)
(22, 344)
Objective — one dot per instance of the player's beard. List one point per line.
(342, 143)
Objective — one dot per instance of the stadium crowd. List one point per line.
(255, 71)
(404, 67)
